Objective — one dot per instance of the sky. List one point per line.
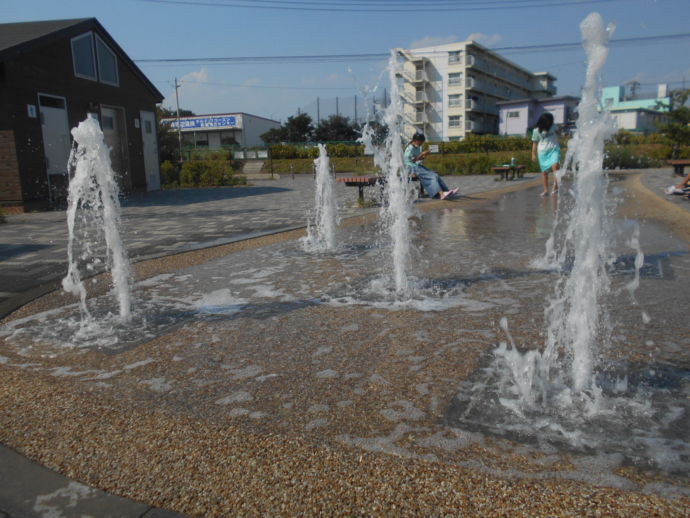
(361, 33)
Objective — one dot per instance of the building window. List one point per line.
(201, 139)
(108, 123)
(82, 57)
(455, 100)
(454, 121)
(455, 78)
(454, 57)
(107, 63)
(514, 114)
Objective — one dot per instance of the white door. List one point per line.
(55, 130)
(112, 123)
(148, 137)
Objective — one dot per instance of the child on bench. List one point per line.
(430, 180)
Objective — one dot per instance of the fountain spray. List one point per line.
(398, 206)
(322, 234)
(93, 196)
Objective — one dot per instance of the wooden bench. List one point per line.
(679, 165)
(515, 171)
(361, 182)
(367, 181)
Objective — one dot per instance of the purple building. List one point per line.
(518, 116)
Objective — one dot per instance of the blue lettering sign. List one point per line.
(217, 122)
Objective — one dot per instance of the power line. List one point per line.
(277, 87)
(334, 58)
(405, 7)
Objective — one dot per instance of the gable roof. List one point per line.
(18, 38)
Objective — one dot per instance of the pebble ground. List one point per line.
(148, 449)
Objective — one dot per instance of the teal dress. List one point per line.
(548, 148)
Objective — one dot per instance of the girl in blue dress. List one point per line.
(545, 145)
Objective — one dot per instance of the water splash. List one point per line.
(322, 234)
(398, 201)
(94, 211)
(577, 324)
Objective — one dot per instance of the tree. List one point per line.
(274, 136)
(298, 128)
(168, 145)
(336, 127)
(677, 127)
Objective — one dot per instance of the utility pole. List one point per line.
(318, 112)
(355, 109)
(179, 130)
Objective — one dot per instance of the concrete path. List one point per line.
(33, 247)
(33, 260)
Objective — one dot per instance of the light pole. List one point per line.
(179, 131)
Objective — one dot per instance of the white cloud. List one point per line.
(486, 39)
(431, 41)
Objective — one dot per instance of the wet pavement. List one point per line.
(33, 247)
(167, 223)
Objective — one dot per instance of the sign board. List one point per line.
(208, 122)
(433, 148)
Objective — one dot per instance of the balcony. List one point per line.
(419, 76)
(473, 126)
(472, 104)
(415, 97)
(417, 118)
(411, 57)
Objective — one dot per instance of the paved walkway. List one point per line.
(33, 260)
(33, 247)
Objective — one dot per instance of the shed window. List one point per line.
(82, 57)
(513, 114)
(107, 63)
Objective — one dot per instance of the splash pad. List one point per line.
(275, 341)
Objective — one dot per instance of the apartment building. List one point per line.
(451, 90)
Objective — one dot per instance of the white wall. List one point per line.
(253, 128)
(514, 125)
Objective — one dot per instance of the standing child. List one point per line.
(545, 145)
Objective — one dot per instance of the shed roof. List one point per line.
(17, 38)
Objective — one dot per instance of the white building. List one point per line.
(638, 113)
(518, 116)
(452, 90)
(223, 129)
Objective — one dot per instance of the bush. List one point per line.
(191, 173)
(209, 173)
(631, 157)
(170, 173)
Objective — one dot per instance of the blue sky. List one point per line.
(163, 29)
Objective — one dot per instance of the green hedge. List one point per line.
(208, 172)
